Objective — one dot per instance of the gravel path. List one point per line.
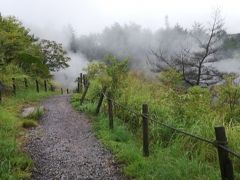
(63, 146)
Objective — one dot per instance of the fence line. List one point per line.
(18, 84)
(226, 167)
(175, 129)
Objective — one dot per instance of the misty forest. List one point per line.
(127, 102)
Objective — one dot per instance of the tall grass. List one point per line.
(163, 163)
(173, 156)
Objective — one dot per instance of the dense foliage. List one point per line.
(19, 48)
(54, 57)
(196, 110)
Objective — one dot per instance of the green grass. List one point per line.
(15, 163)
(169, 162)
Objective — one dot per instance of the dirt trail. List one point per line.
(63, 146)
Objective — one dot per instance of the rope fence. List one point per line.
(175, 129)
(226, 167)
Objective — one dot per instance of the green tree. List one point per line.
(19, 47)
(14, 38)
(110, 73)
(54, 56)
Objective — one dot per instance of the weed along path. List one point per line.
(63, 146)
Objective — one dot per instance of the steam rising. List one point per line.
(229, 66)
(135, 42)
(78, 62)
(67, 76)
(129, 40)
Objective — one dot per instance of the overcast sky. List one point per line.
(91, 16)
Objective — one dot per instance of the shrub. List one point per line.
(37, 113)
(29, 123)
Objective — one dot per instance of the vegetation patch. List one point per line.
(15, 163)
(163, 163)
(33, 112)
(194, 109)
(27, 123)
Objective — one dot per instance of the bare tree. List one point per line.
(194, 63)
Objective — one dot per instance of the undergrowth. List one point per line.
(163, 163)
(195, 109)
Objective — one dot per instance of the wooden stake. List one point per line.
(45, 85)
(14, 86)
(37, 86)
(145, 130)
(101, 100)
(225, 163)
(84, 93)
(110, 111)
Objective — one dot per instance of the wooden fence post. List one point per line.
(78, 85)
(81, 82)
(1, 91)
(101, 99)
(0, 95)
(84, 80)
(14, 86)
(145, 130)
(61, 90)
(45, 85)
(25, 83)
(110, 110)
(225, 163)
(84, 93)
(51, 87)
(37, 86)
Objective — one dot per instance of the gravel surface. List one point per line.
(63, 146)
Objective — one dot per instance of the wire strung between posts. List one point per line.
(163, 124)
(183, 132)
(198, 138)
(175, 129)
(228, 150)
(120, 105)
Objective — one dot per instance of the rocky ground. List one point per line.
(64, 147)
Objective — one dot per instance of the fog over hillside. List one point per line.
(135, 42)
(91, 29)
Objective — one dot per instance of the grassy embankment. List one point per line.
(172, 155)
(15, 163)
